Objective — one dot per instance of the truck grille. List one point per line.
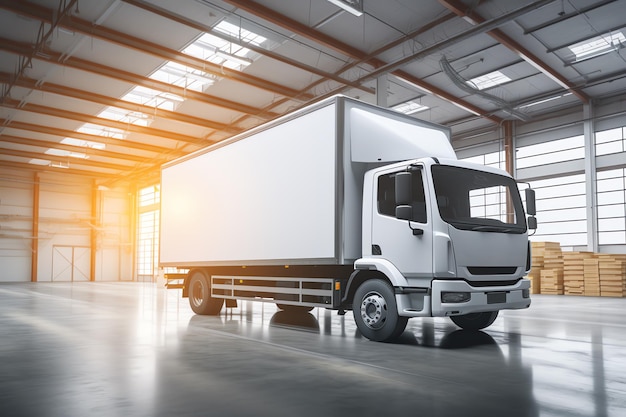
(492, 270)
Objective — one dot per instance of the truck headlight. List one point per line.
(455, 297)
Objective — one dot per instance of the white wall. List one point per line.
(16, 200)
(65, 225)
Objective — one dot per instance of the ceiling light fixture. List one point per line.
(353, 6)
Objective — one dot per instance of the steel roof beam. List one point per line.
(85, 27)
(28, 127)
(117, 74)
(265, 52)
(73, 148)
(53, 158)
(46, 168)
(464, 11)
(345, 49)
(84, 118)
(63, 90)
(562, 17)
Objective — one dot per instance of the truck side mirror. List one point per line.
(404, 212)
(530, 201)
(404, 186)
(532, 222)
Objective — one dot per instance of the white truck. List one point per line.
(347, 206)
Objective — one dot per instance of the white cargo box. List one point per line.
(287, 192)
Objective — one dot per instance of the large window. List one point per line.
(611, 141)
(560, 150)
(148, 233)
(561, 210)
(611, 189)
(492, 159)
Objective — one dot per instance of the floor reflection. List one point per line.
(121, 349)
(296, 321)
(457, 372)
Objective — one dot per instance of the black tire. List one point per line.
(375, 311)
(475, 321)
(294, 309)
(200, 298)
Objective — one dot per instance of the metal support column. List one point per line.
(93, 250)
(509, 164)
(509, 147)
(34, 257)
(590, 178)
(382, 84)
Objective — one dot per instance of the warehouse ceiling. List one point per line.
(111, 89)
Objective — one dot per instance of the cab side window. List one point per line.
(387, 196)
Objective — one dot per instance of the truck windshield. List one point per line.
(475, 200)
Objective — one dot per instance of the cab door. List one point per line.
(408, 244)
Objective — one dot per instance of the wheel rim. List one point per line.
(196, 293)
(374, 310)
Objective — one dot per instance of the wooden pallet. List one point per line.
(592, 276)
(612, 270)
(574, 272)
(548, 260)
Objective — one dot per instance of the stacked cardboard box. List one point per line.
(592, 276)
(612, 270)
(574, 272)
(547, 268)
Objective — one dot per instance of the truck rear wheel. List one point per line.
(200, 298)
(375, 311)
(475, 321)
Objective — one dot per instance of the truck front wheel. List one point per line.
(200, 298)
(475, 321)
(375, 311)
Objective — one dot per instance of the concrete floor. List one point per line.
(132, 349)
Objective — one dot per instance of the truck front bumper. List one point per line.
(471, 299)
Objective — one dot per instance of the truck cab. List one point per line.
(450, 237)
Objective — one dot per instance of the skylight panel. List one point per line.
(489, 80)
(218, 51)
(64, 153)
(182, 76)
(410, 107)
(107, 132)
(223, 52)
(84, 143)
(42, 162)
(209, 48)
(132, 117)
(154, 98)
(240, 33)
(597, 46)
